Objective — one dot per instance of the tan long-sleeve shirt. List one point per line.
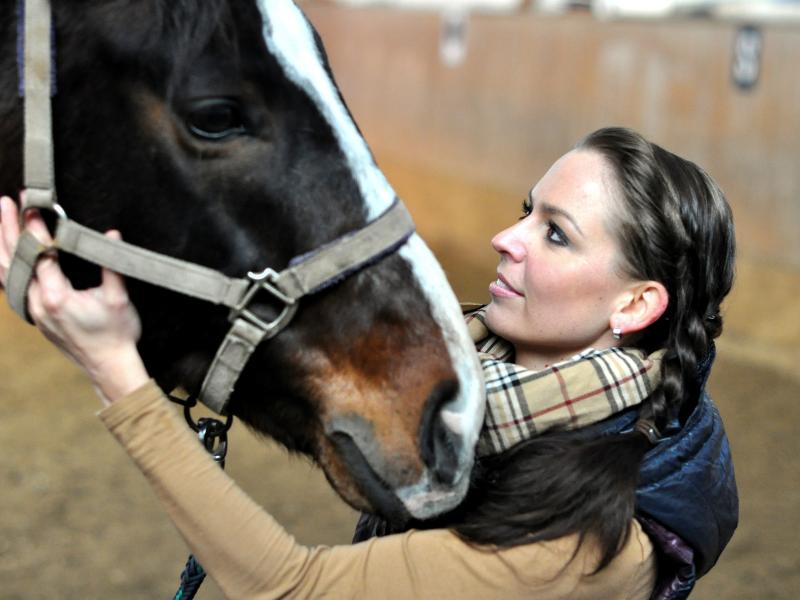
(251, 556)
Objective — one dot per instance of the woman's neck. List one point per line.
(537, 359)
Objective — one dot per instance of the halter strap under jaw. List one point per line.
(305, 275)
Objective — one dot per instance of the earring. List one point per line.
(617, 333)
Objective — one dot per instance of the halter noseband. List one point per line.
(305, 275)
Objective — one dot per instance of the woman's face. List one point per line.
(558, 281)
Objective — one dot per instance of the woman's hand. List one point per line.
(97, 328)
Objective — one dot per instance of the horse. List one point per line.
(213, 131)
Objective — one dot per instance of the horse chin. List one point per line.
(426, 500)
(362, 488)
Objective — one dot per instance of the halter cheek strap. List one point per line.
(38, 87)
(305, 275)
(34, 22)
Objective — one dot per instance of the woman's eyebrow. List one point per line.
(549, 209)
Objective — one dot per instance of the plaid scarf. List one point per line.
(582, 390)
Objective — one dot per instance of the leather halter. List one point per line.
(305, 275)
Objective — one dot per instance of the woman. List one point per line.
(599, 330)
(621, 244)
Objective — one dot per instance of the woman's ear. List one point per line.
(640, 306)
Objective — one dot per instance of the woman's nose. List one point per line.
(510, 243)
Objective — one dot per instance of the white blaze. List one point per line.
(290, 39)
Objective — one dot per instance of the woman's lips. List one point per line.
(502, 289)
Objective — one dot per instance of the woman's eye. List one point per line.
(215, 119)
(555, 235)
(527, 208)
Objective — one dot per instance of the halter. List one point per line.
(305, 275)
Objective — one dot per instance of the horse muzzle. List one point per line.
(384, 456)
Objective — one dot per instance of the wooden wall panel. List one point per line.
(532, 85)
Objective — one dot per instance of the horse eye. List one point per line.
(215, 119)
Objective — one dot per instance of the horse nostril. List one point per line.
(439, 445)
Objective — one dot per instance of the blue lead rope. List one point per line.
(191, 579)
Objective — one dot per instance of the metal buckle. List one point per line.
(264, 280)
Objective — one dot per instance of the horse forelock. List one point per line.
(181, 27)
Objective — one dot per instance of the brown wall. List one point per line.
(532, 85)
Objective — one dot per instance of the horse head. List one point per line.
(212, 131)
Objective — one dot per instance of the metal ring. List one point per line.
(213, 435)
(60, 212)
(56, 208)
(187, 414)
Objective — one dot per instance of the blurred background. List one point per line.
(465, 105)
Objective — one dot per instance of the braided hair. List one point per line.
(673, 226)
